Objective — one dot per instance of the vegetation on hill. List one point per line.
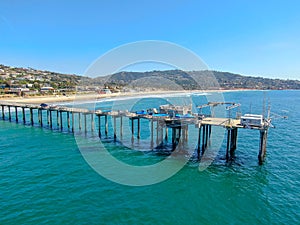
(193, 80)
(15, 77)
(34, 80)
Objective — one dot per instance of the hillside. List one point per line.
(173, 79)
(34, 80)
(13, 77)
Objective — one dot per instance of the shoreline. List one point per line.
(84, 97)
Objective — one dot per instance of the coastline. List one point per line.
(85, 97)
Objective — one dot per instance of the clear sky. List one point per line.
(260, 38)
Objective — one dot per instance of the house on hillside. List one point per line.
(47, 89)
(105, 91)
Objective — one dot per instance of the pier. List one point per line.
(170, 123)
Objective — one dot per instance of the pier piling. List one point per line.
(199, 142)
(68, 119)
(167, 134)
(206, 136)
(99, 126)
(79, 121)
(152, 134)
(24, 117)
(106, 125)
(85, 130)
(115, 128)
(139, 128)
(9, 114)
(178, 135)
(92, 122)
(157, 132)
(228, 144)
(31, 116)
(132, 129)
(16, 110)
(161, 133)
(262, 145)
(173, 138)
(121, 127)
(72, 122)
(3, 113)
(231, 143)
(50, 117)
(61, 120)
(57, 118)
(203, 138)
(41, 117)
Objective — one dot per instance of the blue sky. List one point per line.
(260, 38)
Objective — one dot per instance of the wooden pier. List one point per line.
(164, 125)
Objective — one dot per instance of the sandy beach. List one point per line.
(83, 97)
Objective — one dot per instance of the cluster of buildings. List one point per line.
(28, 81)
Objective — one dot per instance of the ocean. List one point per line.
(44, 178)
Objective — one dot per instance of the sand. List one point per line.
(83, 97)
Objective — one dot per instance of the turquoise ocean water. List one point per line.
(45, 180)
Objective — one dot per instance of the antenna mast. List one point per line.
(264, 106)
(269, 108)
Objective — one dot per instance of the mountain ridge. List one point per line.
(156, 79)
(192, 80)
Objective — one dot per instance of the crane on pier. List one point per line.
(212, 105)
